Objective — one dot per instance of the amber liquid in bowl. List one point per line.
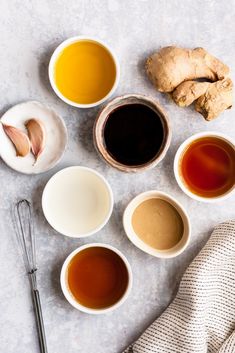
(208, 167)
(97, 277)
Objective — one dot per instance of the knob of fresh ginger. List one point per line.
(177, 71)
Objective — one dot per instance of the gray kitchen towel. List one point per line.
(202, 316)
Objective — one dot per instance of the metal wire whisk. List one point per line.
(25, 235)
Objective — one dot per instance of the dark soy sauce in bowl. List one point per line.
(133, 134)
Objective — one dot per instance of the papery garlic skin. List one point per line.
(19, 139)
(37, 136)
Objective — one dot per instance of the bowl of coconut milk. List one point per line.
(77, 201)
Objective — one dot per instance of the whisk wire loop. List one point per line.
(25, 235)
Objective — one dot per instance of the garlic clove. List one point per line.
(19, 139)
(37, 136)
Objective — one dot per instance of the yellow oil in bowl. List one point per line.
(85, 72)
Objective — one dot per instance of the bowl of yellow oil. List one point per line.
(84, 71)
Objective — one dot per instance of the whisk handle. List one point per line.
(39, 320)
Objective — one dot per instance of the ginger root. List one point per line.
(187, 92)
(217, 98)
(177, 71)
(171, 66)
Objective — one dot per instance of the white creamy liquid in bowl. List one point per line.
(77, 201)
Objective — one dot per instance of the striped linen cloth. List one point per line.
(202, 316)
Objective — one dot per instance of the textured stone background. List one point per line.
(30, 30)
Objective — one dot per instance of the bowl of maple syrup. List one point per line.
(204, 166)
(96, 278)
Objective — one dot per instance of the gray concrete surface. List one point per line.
(30, 30)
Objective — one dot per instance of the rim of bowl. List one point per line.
(98, 228)
(55, 56)
(101, 121)
(133, 237)
(178, 157)
(70, 297)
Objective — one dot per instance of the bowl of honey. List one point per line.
(204, 166)
(84, 71)
(96, 278)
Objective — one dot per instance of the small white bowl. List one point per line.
(177, 161)
(77, 201)
(127, 223)
(73, 301)
(55, 56)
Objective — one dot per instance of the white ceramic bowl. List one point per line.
(127, 223)
(69, 296)
(77, 201)
(177, 162)
(54, 58)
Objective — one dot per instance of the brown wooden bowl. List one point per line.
(98, 132)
